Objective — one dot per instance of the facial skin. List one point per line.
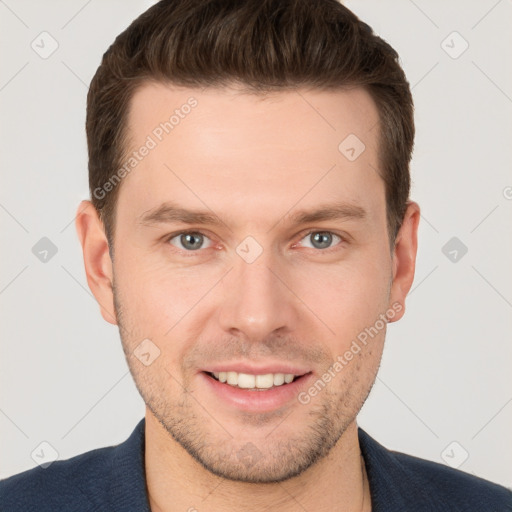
(253, 163)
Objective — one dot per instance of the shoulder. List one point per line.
(455, 488)
(412, 483)
(72, 484)
(110, 478)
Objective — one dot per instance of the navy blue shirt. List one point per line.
(113, 479)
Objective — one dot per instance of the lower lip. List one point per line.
(256, 401)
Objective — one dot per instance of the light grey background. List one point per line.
(446, 371)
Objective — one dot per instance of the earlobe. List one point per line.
(97, 261)
(404, 258)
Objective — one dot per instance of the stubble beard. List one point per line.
(286, 451)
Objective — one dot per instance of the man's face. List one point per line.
(255, 292)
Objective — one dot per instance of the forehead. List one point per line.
(297, 115)
(237, 152)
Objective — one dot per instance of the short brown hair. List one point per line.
(263, 45)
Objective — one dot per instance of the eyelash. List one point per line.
(310, 232)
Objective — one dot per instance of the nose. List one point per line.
(258, 299)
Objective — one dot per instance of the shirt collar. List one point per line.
(128, 491)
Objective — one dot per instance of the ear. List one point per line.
(97, 261)
(404, 259)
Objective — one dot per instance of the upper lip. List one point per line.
(257, 369)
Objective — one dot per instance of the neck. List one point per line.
(177, 482)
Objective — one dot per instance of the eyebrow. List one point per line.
(169, 212)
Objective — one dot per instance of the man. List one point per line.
(249, 222)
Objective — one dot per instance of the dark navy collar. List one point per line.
(128, 489)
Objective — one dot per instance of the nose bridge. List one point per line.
(255, 301)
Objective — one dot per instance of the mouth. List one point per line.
(267, 382)
(253, 387)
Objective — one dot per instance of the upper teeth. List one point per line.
(248, 381)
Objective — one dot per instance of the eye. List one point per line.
(188, 240)
(192, 241)
(322, 239)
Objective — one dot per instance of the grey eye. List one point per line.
(321, 239)
(189, 241)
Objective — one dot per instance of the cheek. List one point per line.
(156, 296)
(347, 297)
